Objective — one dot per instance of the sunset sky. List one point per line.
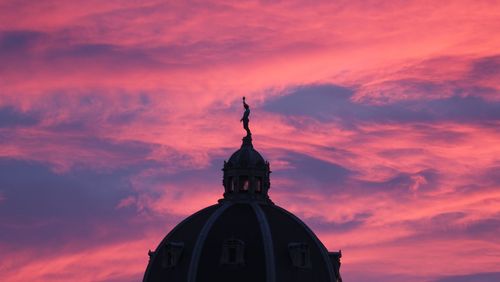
(381, 121)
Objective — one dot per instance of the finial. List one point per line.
(245, 119)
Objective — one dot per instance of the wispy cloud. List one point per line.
(380, 121)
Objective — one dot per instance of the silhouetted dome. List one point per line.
(241, 241)
(244, 238)
(246, 156)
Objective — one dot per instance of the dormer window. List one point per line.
(233, 251)
(299, 254)
(171, 254)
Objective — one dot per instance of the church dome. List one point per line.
(242, 241)
(245, 237)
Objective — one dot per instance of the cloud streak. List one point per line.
(380, 121)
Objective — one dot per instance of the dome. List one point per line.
(245, 237)
(246, 156)
(242, 241)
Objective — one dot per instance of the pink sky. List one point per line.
(381, 121)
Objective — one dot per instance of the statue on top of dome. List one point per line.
(245, 119)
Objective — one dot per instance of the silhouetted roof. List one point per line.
(244, 238)
(246, 156)
(267, 233)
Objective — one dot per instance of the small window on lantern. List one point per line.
(171, 254)
(230, 184)
(244, 183)
(299, 254)
(233, 251)
(258, 185)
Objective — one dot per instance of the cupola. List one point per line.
(246, 174)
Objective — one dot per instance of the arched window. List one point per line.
(244, 184)
(258, 185)
(230, 184)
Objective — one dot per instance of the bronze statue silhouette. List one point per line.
(245, 119)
